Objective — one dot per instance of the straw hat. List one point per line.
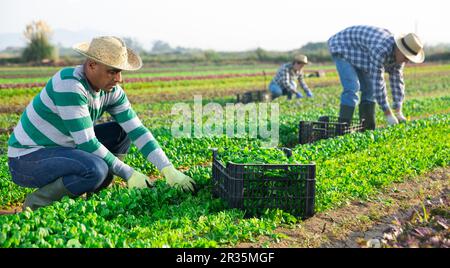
(411, 46)
(301, 58)
(111, 51)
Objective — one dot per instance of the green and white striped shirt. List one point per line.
(62, 114)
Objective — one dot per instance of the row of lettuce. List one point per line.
(355, 166)
(17, 72)
(186, 152)
(145, 93)
(155, 100)
(39, 75)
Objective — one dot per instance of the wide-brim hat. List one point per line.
(111, 51)
(301, 58)
(411, 46)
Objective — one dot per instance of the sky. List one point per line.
(230, 25)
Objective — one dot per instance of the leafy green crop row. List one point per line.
(39, 74)
(188, 152)
(164, 71)
(159, 217)
(252, 155)
(355, 166)
(164, 217)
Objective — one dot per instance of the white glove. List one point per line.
(401, 118)
(391, 119)
(138, 180)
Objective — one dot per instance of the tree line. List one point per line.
(39, 50)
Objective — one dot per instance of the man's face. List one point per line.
(400, 57)
(103, 77)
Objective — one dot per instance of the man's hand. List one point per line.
(177, 178)
(138, 180)
(401, 118)
(390, 118)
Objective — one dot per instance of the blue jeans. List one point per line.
(275, 89)
(353, 80)
(81, 171)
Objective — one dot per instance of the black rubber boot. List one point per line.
(46, 195)
(289, 95)
(346, 114)
(367, 112)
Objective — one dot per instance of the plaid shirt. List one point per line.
(372, 50)
(286, 77)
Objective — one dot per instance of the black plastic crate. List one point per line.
(326, 127)
(319, 73)
(257, 187)
(253, 96)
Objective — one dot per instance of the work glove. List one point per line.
(309, 94)
(138, 180)
(391, 119)
(177, 178)
(298, 95)
(401, 118)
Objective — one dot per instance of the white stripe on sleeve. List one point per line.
(83, 136)
(143, 140)
(131, 124)
(120, 108)
(101, 151)
(159, 159)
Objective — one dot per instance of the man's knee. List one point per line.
(275, 94)
(94, 174)
(367, 96)
(97, 171)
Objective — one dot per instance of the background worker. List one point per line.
(285, 81)
(362, 55)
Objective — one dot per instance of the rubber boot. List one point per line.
(346, 114)
(367, 112)
(289, 95)
(46, 195)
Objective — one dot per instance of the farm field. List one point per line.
(373, 175)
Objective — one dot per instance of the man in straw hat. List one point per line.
(362, 55)
(284, 82)
(56, 148)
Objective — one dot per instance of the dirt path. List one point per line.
(12, 210)
(358, 222)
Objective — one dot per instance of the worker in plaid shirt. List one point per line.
(284, 82)
(362, 55)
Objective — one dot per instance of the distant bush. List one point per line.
(12, 60)
(445, 56)
(39, 47)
